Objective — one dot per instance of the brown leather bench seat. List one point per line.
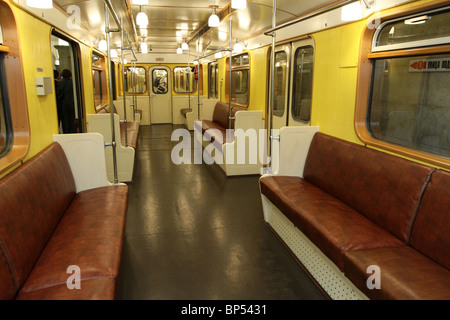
(46, 227)
(221, 123)
(362, 207)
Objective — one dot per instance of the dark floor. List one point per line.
(194, 234)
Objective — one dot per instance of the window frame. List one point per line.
(213, 67)
(125, 85)
(364, 84)
(177, 80)
(237, 68)
(102, 72)
(294, 83)
(15, 81)
(7, 121)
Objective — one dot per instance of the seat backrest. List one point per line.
(384, 188)
(221, 114)
(33, 199)
(431, 231)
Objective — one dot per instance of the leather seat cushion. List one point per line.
(330, 224)
(405, 274)
(90, 236)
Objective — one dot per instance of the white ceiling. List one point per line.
(172, 20)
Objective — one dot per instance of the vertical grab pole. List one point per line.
(189, 78)
(272, 87)
(230, 82)
(111, 96)
(123, 86)
(134, 83)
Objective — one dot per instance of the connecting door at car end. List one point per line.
(160, 95)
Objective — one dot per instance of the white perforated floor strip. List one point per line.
(326, 273)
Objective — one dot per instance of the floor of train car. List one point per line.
(194, 234)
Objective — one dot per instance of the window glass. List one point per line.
(5, 119)
(99, 80)
(213, 86)
(240, 79)
(160, 81)
(241, 60)
(98, 92)
(135, 80)
(239, 90)
(421, 27)
(184, 79)
(303, 81)
(410, 102)
(280, 83)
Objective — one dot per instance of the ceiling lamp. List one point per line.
(144, 47)
(238, 48)
(40, 4)
(184, 45)
(213, 20)
(102, 45)
(352, 12)
(218, 55)
(114, 53)
(179, 50)
(142, 19)
(238, 4)
(140, 2)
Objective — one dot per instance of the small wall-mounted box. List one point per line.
(44, 86)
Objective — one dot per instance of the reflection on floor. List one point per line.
(193, 234)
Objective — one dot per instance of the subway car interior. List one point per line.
(214, 150)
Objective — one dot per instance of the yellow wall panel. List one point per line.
(35, 37)
(258, 79)
(86, 74)
(335, 78)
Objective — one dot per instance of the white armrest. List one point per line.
(293, 149)
(86, 155)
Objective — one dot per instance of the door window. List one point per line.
(160, 81)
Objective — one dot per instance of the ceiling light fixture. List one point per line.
(102, 45)
(213, 20)
(238, 4)
(179, 50)
(144, 47)
(40, 4)
(142, 19)
(114, 53)
(184, 45)
(140, 2)
(239, 46)
(352, 12)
